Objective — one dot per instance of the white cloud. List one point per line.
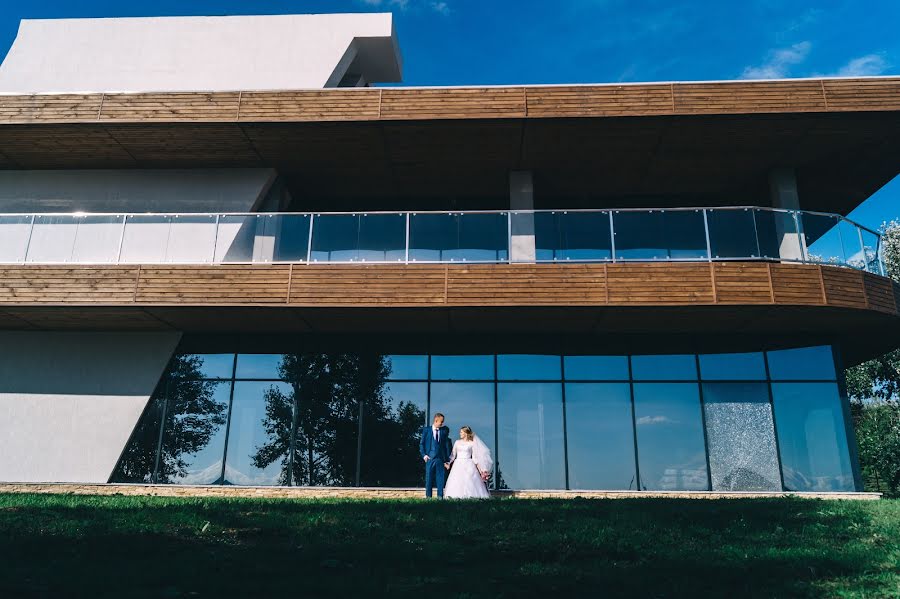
(870, 64)
(655, 420)
(779, 62)
(436, 6)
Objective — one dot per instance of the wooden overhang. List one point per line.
(675, 305)
(644, 145)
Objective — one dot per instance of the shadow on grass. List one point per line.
(154, 547)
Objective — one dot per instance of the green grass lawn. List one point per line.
(162, 547)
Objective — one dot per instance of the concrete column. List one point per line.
(521, 197)
(783, 194)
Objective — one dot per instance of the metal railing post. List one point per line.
(862, 249)
(121, 240)
(709, 256)
(406, 254)
(801, 237)
(309, 239)
(28, 242)
(612, 237)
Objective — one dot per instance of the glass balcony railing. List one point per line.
(684, 234)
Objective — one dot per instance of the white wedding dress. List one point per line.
(465, 481)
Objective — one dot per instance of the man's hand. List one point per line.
(425, 458)
(447, 465)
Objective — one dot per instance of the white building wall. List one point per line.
(134, 190)
(69, 401)
(197, 53)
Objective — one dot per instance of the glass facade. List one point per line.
(755, 421)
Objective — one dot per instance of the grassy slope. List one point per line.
(143, 546)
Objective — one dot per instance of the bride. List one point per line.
(472, 463)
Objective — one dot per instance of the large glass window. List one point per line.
(664, 368)
(812, 437)
(600, 436)
(582, 421)
(803, 363)
(741, 437)
(466, 404)
(596, 368)
(528, 367)
(530, 427)
(193, 442)
(671, 453)
(392, 423)
(259, 441)
(733, 367)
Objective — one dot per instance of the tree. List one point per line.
(874, 389)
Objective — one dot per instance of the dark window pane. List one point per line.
(741, 437)
(732, 233)
(571, 236)
(805, 363)
(203, 366)
(466, 404)
(664, 368)
(258, 366)
(823, 238)
(462, 368)
(259, 440)
(597, 368)
(392, 423)
(671, 452)
(734, 367)
(812, 437)
(139, 458)
(531, 436)
(528, 367)
(408, 367)
(382, 237)
(600, 436)
(328, 389)
(194, 433)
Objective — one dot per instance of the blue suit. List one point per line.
(438, 452)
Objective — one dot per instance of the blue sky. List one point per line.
(459, 42)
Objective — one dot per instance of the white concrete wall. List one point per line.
(197, 53)
(69, 401)
(139, 190)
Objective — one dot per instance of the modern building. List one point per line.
(236, 263)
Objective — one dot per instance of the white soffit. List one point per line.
(169, 54)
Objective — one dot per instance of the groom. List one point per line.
(435, 449)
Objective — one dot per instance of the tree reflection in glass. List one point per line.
(193, 431)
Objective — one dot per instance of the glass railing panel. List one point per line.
(685, 234)
(872, 251)
(335, 238)
(852, 244)
(823, 238)
(778, 237)
(291, 235)
(359, 238)
(14, 233)
(146, 239)
(97, 239)
(236, 238)
(457, 237)
(732, 233)
(382, 237)
(192, 238)
(575, 236)
(52, 239)
(660, 235)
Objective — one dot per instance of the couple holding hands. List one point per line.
(468, 461)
